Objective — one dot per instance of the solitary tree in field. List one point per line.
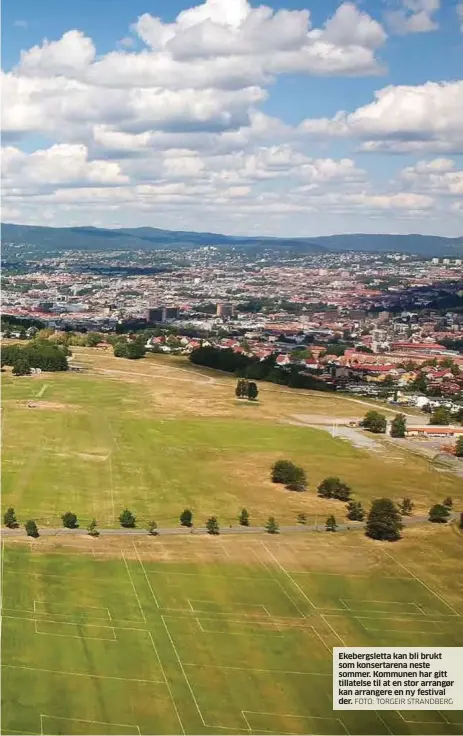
(399, 426)
(272, 525)
(186, 517)
(440, 416)
(241, 389)
(69, 520)
(9, 518)
(31, 528)
(127, 519)
(448, 502)
(92, 530)
(384, 520)
(334, 488)
(212, 525)
(331, 525)
(375, 422)
(302, 518)
(253, 391)
(406, 506)
(244, 518)
(439, 514)
(152, 528)
(355, 511)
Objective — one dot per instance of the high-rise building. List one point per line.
(225, 310)
(161, 314)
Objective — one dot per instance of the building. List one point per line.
(225, 310)
(161, 314)
(434, 431)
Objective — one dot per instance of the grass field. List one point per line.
(204, 635)
(158, 435)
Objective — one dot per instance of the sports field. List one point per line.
(216, 635)
(158, 435)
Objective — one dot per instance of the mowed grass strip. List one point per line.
(257, 660)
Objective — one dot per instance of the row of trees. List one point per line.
(252, 368)
(376, 422)
(36, 354)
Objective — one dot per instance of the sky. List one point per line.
(290, 118)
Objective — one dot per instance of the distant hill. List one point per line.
(50, 239)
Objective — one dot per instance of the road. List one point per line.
(200, 531)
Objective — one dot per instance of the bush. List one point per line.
(272, 525)
(31, 528)
(293, 476)
(92, 530)
(212, 525)
(355, 511)
(186, 518)
(333, 487)
(152, 528)
(331, 525)
(243, 518)
(9, 518)
(439, 514)
(69, 520)
(127, 519)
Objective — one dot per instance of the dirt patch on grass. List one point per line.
(48, 405)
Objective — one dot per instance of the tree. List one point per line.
(355, 511)
(212, 525)
(272, 525)
(21, 366)
(244, 518)
(459, 447)
(384, 520)
(399, 426)
(152, 528)
(406, 506)
(186, 518)
(127, 519)
(448, 502)
(92, 530)
(439, 514)
(331, 525)
(9, 518)
(302, 518)
(241, 389)
(293, 477)
(69, 520)
(333, 487)
(253, 391)
(375, 422)
(461, 520)
(440, 416)
(31, 528)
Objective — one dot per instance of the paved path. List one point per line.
(200, 531)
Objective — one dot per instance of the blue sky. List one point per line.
(221, 116)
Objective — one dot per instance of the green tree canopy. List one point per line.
(244, 518)
(92, 530)
(375, 422)
(439, 514)
(333, 487)
(9, 518)
(212, 525)
(186, 517)
(440, 416)
(384, 520)
(31, 528)
(291, 475)
(331, 525)
(253, 391)
(69, 520)
(355, 511)
(399, 426)
(459, 447)
(272, 526)
(406, 506)
(127, 519)
(152, 528)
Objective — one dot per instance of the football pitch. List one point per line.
(208, 636)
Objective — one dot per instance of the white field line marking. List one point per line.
(422, 583)
(258, 669)
(383, 721)
(82, 674)
(277, 633)
(434, 723)
(155, 648)
(347, 575)
(83, 608)
(296, 585)
(321, 638)
(84, 720)
(289, 715)
(146, 577)
(1, 584)
(23, 733)
(183, 671)
(262, 562)
(375, 610)
(75, 636)
(42, 391)
(247, 605)
(133, 586)
(333, 630)
(254, 622)
(248, 725)
(399, 631)
(223, 577)
(76, 623)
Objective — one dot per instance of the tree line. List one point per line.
(37, 353)
(245, 366)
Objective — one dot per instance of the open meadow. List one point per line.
(202, 635)
(158, 435)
